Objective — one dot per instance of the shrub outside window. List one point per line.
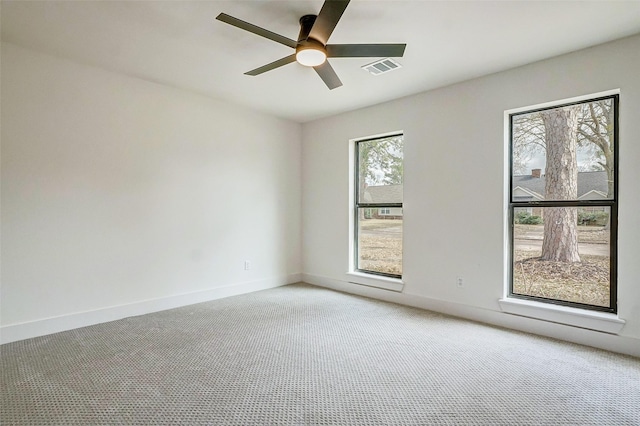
(563, 204)
(378, 206)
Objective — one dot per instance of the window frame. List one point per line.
(357, 205)
(612, 204)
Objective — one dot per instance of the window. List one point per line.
(563, 204)
(378, 206)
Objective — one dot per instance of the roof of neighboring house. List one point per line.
(587, 182)
(383, 194)
(524, 194)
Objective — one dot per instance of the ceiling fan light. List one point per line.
(311, 57)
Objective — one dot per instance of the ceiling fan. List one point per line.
(311, 47)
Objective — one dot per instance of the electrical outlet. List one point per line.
(247, 265)
(459, 282)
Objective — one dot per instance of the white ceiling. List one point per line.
(179, 43)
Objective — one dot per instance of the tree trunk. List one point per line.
(560, 242)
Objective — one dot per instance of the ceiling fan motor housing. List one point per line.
(306, 23)
(311, 44)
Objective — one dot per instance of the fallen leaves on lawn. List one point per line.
(581, 282)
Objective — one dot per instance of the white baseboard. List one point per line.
(610, 342)
(41, 327)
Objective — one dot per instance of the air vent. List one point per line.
(382, 66)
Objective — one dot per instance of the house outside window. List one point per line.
(378, 211)
(563, 203)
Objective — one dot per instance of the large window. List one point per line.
(563, 204)
(378, 206)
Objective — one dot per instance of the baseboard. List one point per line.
(610, 342)
(14, 332)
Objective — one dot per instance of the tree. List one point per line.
(528, 141)
(560, 241)
(596, 128)
(380, 161)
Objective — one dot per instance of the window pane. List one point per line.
(380, 240)
(563, 253)
(564, 153)
(380, 170)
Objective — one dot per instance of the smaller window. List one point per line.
(378, 206)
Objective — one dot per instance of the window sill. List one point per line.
(370, 280)
(591, 320)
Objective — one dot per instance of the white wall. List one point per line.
(454, 187)
(121, 196)
(116, 191)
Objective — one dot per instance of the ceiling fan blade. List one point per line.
(327, 19)
(273, 65)
(328, 75)
(365, 50)
(256, 30)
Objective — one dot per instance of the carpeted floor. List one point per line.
(302, 355)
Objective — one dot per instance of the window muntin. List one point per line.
(563, 204)
(378, 206)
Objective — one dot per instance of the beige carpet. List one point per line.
(302, 355)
